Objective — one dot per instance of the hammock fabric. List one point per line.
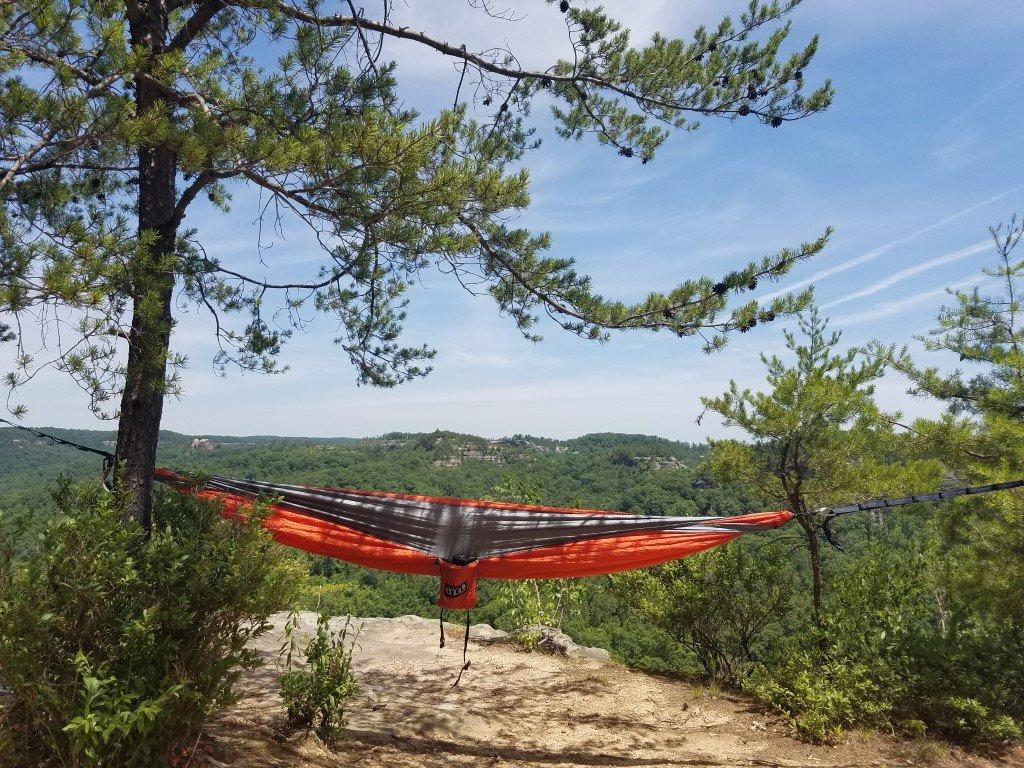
(461, 540)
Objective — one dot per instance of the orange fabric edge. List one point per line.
(614, 554)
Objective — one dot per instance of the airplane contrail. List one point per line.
(903, 274)
(874, 253)
(890, 308)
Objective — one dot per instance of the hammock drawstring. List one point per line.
(465, 651)
(465, 645)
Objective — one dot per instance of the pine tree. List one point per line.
(817, 436)
(981, 437)
(119, 116)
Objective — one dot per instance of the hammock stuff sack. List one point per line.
(463, 540)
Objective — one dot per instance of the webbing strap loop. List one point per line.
(107, 477)
(108, 457)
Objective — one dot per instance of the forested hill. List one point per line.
(27, 458)
(639, 473)
(617, 471)
(21, 451)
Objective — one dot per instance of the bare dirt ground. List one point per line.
(522, 709)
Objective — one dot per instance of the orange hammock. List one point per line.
(462, 540)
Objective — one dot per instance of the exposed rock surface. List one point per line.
(528, 710)
(551, 640)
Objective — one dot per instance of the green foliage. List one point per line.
(982, 436)
(980, 575)
(885, 655)
(116, 647)
(910, 631)
(729, 605)
(968, 721)
(531, 603)
(817, 436)
(820, 701)
(110, 719)
(117, 125)
(851, 667)
(315, 696)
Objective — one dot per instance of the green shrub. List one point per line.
(822, 698)
(852, 667)
(968, 721)
(116, 647)
(727, 606)
(880, 657)
(316, 696)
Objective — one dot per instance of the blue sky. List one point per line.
(921, 152)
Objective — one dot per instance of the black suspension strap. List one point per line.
(831, 513)
(108, 457)
(904, 501)
(441, 624)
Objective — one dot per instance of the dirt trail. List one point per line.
(515, 708)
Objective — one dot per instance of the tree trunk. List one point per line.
(812, 546)
(152, 274)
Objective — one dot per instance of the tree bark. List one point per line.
(813, 548)
(152, 287)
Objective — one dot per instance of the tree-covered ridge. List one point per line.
(594, 469)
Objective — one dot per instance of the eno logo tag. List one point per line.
(450, 591)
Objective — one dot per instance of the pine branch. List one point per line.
(548, 76)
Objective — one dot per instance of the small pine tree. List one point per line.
(818, 438)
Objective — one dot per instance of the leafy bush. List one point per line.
(116, 647)
(851, 668)
(727, 605)
(537, 603)
(315, 696)
(821, 698)
(968, 678)
(882, 657)
(967, 720)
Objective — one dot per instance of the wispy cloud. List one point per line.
(903, 274)
(874, 253)
(967, 138)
